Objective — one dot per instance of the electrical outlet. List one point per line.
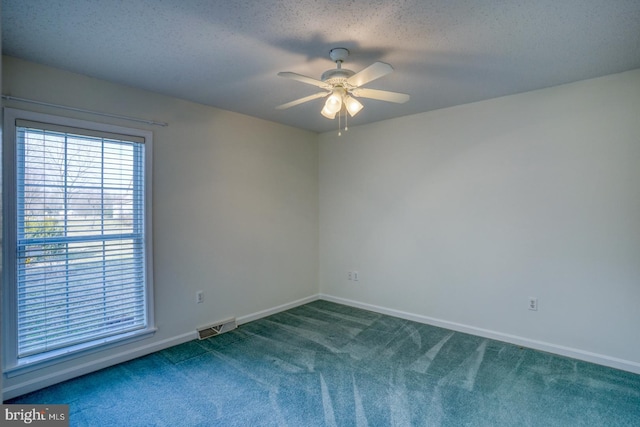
(533, 303)
(349, 275)
(199, 297)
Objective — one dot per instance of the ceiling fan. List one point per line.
(341, 86)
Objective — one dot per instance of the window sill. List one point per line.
(41, 361)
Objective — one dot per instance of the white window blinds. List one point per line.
(80, 236)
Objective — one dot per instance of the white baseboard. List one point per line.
(94, 365)
(587, 356)
(274, 310)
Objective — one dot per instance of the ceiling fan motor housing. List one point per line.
(339, 75)
(336, 76)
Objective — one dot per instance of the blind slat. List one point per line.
(87, 315)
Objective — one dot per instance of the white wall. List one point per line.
(235, 206)
(457, 216)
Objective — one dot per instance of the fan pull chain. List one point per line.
(346, 120)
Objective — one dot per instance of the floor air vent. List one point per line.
(217, 328)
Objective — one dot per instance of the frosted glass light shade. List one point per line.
(353, 105)
(328, 114)
(334, 102)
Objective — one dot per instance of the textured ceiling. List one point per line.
(227, 53)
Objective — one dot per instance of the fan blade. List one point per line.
(382, 95)
(302, 100)
(304, 79)
(369, 74)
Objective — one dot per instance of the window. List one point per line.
(78, 236)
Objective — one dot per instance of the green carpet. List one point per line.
(325, 364)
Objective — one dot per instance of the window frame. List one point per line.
(12, 365)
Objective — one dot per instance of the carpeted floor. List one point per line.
(324, 364)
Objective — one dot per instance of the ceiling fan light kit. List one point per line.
(341, 85)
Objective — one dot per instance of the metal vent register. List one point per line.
(217, 328)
